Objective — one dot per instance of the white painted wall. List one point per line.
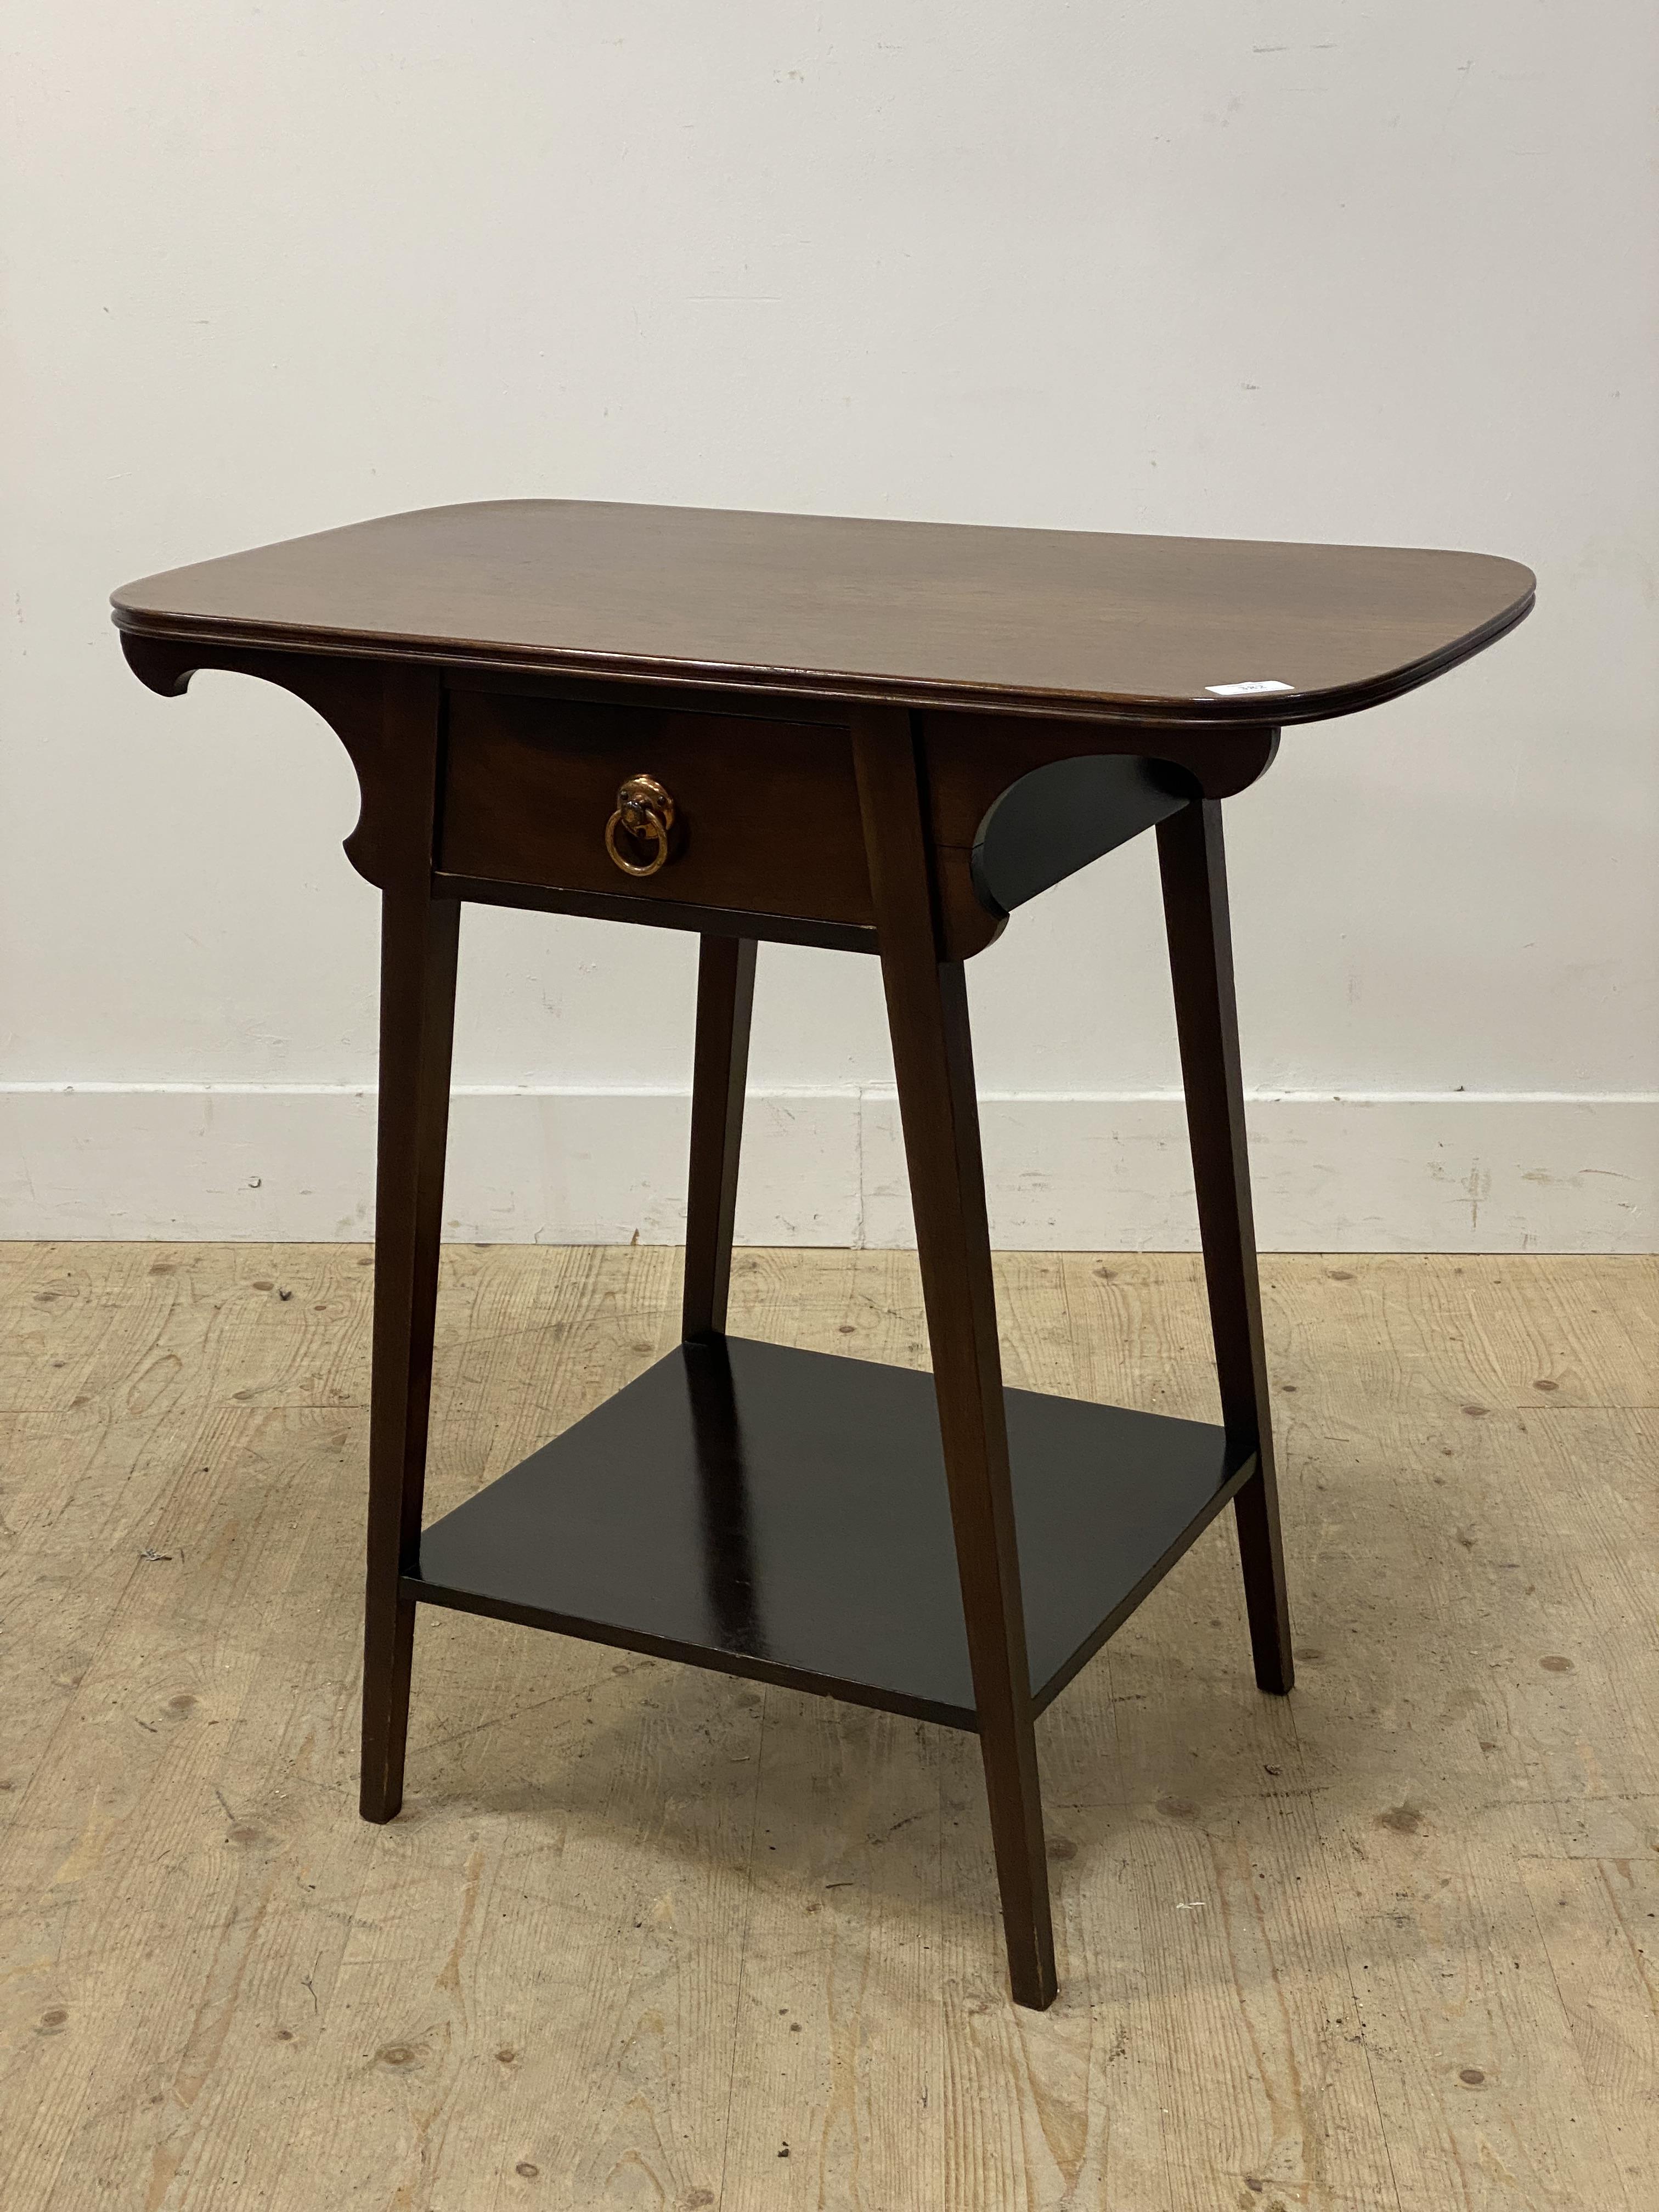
(1277, 268)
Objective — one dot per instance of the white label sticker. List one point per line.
(1245, 690)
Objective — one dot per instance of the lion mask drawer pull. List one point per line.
(644, 817)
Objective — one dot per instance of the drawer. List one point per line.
(765, 814)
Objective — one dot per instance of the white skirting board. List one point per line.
(1457, 1172)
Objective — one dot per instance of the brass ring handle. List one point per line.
(644, 811)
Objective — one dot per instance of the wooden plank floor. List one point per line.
(646, 1937)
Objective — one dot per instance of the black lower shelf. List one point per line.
(784, 1514)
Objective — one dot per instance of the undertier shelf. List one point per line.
(784, 1514)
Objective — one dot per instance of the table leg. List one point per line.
(1194, 865)
(725, 998)
(418, 942)
(932, 1057)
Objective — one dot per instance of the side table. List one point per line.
(879, 737)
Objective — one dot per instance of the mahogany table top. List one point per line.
(917, 613)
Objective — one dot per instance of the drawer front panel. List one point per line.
(765, 814)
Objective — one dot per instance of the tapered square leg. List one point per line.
(726, 999)
(928, 1016)
(393, 845)
(418, 944)
(1194, 866)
